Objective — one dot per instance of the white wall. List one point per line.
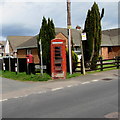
(7, 47)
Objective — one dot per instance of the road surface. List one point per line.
(97, 98)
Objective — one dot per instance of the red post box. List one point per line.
(58, 59)
(30, 58)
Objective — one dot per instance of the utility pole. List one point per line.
(69, 34)
(83, 66)
(9, 62)
(41, 57)
(81, 45)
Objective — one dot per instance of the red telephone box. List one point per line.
(30, 58)
(58, 59)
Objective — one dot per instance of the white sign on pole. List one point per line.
(40, 67)
(84, 36)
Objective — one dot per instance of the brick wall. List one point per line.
(115, 52)
(106, 54)
(61, 36)
(22, 54)
(35, 55)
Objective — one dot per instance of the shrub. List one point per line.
(74, 60)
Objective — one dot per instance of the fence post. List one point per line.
(3, 65)
(81, 65)
(117, 59)
(101, 63)
(9, 63)
(16, 68)
(17, 64)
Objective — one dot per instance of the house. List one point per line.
(2, 45)
(110, 46)
(30, 46)
(20, 46)
(12, 42)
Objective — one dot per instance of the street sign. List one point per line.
(40, 67)
(84, 36)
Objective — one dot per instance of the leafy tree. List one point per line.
(47, 33)
(92, 28)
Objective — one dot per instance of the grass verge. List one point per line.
(32, 77)
(38, 77)
(73, 75)
(95, 71)
(24, 77)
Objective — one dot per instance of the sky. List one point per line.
(24, 17)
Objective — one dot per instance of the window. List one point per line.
(77, 50)
(29, 51)
(109, 49)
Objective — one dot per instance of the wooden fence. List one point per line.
(1, 62)
(10, 64)
(101, 64)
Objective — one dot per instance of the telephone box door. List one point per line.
(58, 59)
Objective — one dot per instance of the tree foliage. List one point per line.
(74, 60)
(92, 28)
(47, 33)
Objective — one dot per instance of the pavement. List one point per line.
(17, 89)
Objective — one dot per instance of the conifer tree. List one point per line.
(93, 30)
(47, 33)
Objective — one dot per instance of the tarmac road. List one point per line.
(94, 96)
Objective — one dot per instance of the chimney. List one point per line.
(78, 27)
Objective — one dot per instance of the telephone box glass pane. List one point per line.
(58, 59)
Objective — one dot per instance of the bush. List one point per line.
(74, 60)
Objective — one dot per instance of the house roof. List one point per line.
(75, 34)
(32, 42)
(17, 40)
(2, 43)
(110, 37)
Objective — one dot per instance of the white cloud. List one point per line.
(2, 38)
(28, 15)
(16, 13)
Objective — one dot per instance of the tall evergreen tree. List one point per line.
(47, 33)
(93, 30)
